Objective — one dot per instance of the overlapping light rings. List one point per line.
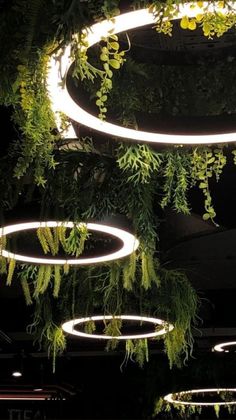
(178, 397)
(129, 243)
(223, 347)
(69, 327)
(63, 102)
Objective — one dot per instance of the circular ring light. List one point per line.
(62, 101)
(221, 347)
(130, 243)
(173, 397)
(69, 327)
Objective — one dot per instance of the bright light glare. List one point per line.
(62, 101)
(173, 397)
(129, 243)
(221, 347)
(16, 374)
(69, 327)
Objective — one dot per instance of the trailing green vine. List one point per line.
(185, 410)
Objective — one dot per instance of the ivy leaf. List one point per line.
(115, 64)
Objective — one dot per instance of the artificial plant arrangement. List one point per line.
(187, 403)
(128, 285)
(99, 180)
(85, 293)
(24, 74)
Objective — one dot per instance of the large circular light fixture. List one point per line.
(223, 347)
(178, 397)
(69, 327)
(63, 102)
(129, 243)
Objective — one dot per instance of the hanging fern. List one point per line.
(129, 271)
(57, 281)
(11, 269)
(26, 291)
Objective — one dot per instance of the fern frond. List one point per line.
(39, 281)
(57, 280)
(42, 240)
(129, 271)
(26, 291)
(46, 279)
(11, 269)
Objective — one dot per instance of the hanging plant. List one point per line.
(192, 402)
(85, 292)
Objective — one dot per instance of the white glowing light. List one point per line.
(129, 243)
(62, 101)
(69, 327)
(173, 397)
(221, 347)
(16, 374)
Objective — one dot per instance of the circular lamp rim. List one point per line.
(130, 243)
(220, 347)
(169, 397)
(68, 327)
(62, 102)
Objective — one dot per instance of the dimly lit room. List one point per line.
(117, 209)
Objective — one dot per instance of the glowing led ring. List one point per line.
(62, 101)
(221, 347)
(170, 398)
(130, 243)
(69, 327)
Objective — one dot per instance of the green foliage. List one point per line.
(139, 162)
(35, 119)
(129, 271)
(111, 59)
(187, 411)
(212, 22)
(11, 269)
(57, 281)
(149, 270)
(206, 163)
(72, 244)
(177, 294)
(45, 330)
(27, 276)
(112, 329)
(26, 291)
(90, 327)
(176, 176)
(136, 350)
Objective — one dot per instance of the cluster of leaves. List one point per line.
(183, 410)
(213, 22)
(102, 290)
(124, 179)
(210, 18)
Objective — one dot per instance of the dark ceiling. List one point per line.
(86, 374)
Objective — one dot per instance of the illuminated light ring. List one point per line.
(220, 347)
(62, 101)
(170, 399)
(130, 243)
(69, 327)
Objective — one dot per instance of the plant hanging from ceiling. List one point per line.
(24, 74)
(87, 292)
(192, 402)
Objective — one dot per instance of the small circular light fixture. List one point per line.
(63, 102)
(69, 327)
(178, 398)
(16, 374)
(129, 243)
(223, 347)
